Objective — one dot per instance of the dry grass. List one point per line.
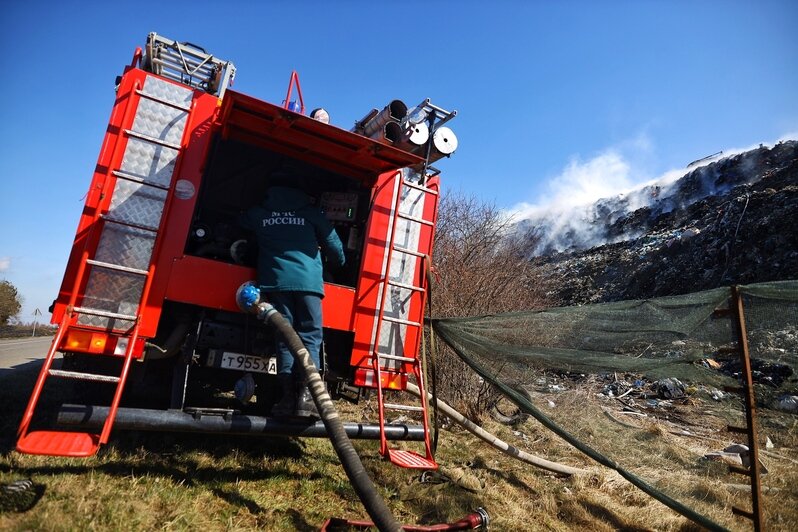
(189, 482)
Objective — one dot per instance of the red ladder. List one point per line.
(401, 457)
(78, 444)
(81, 444)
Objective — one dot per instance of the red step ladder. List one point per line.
(401, 457)
(76, 444)
(116, 266)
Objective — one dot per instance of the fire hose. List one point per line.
(503, 446)
(248, 299)
(478, 519)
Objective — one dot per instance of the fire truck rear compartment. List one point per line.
(236, 178)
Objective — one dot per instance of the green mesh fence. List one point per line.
(638, 385)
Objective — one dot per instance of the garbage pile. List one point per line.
(742, 232)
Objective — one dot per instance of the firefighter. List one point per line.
(290, 230)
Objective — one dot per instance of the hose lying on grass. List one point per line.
(503, 446)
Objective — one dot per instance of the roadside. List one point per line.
(17, 351)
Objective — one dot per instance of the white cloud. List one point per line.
(5, 263)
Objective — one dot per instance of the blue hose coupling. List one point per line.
(248, 297)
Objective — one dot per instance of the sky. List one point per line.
(558, 101)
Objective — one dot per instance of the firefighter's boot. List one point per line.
(305, 407)
(285, 407)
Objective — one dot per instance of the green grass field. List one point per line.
(160, 481)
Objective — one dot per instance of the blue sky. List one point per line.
(557, 101)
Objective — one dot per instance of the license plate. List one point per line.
(249, 363)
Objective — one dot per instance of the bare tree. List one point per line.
(481, 268)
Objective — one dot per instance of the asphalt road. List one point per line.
(19, 351)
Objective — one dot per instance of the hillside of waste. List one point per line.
(732, 221)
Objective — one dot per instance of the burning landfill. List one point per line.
(729, 222)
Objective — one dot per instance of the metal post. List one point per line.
(36, 314)
(748, 390)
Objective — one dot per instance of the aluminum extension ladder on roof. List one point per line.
(401, 457)
(116, 265)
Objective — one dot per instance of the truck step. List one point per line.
(104, 313)
(406, 286)
(384, 356)
(126, 223)
(135, 179)
(116, 267)
(415, 219)
(410, 460)
(55, 443)
(403, 322)
(163, 101)
(408, 251)
(151, 139)
(419, 187)
(82, 376)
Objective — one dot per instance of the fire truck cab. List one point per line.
(148, 297)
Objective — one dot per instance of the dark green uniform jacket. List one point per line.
(290, 230)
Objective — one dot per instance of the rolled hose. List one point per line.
(375, 505)
(501, 445)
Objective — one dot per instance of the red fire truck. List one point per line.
(147, 304)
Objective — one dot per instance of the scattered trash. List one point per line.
(787, 403)
(615, 389)
(735, 454)
(690, 233)
(670, 388)
(20, 495)
(726, 458)
(738, 448)
(716, 394)
(762, 371)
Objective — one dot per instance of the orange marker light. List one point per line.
(78, 340)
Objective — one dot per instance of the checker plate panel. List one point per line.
(137, 203)
(126, 246)
(111, 291)
(160, 121)
(170, 92)
(149, 161)
(116, 291)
